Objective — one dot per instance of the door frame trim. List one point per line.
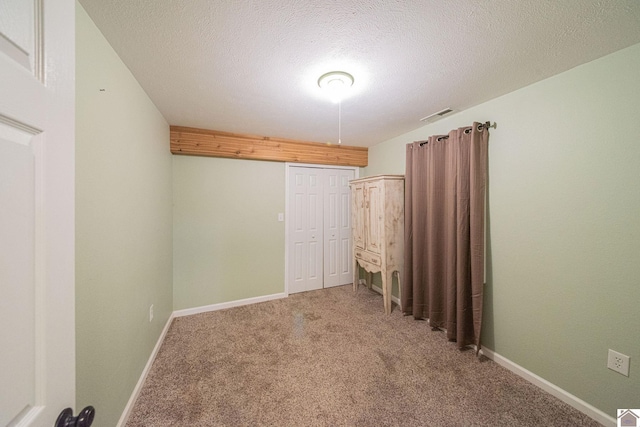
(288, 166)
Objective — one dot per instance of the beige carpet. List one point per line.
(331, 358)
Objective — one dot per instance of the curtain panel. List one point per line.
(445, 187)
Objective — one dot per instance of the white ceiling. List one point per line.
(252, 66)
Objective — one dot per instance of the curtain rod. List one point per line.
(485, 125)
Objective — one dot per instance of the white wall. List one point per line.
(563, 225)
(123, 225)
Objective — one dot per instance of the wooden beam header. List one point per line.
(211, 143)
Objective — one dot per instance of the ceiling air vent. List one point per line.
(438, 114)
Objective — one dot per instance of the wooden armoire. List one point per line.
(378, 230)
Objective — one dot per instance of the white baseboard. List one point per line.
(179, 313)
(568, 398)
(230, 304)
(378, 289)
(136, 391)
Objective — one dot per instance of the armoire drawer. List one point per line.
(369, 257)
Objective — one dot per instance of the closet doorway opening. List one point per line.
(318, 243)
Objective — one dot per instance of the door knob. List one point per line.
(84, 418)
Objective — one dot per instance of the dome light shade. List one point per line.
(336, 84)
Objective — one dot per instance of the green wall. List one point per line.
(563, 225)
(123, 226)
(228, 243)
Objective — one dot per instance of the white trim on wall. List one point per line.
(288, 166)
(568, 398)
(378, 289)
(224, 305)
(180, 313)
(138, 388)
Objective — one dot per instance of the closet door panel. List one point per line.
(345, 265)
(338, 260)
(305, 239)
(314, 229)
(331, 230)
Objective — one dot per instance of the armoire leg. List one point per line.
(356, 275)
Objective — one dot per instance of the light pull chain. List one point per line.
(339, 122)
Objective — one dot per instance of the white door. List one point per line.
(37, 358)
(305, 229)
(319, 233)
(337, 227)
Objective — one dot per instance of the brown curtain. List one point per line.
(445, 186)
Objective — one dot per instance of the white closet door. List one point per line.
(337, 227)
(305, 232)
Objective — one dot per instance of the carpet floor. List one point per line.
(331, 358)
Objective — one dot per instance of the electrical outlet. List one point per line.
(618, 362)
(151, 313)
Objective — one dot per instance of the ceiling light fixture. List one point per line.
(336, 84)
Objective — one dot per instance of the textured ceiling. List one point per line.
(252, 66)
